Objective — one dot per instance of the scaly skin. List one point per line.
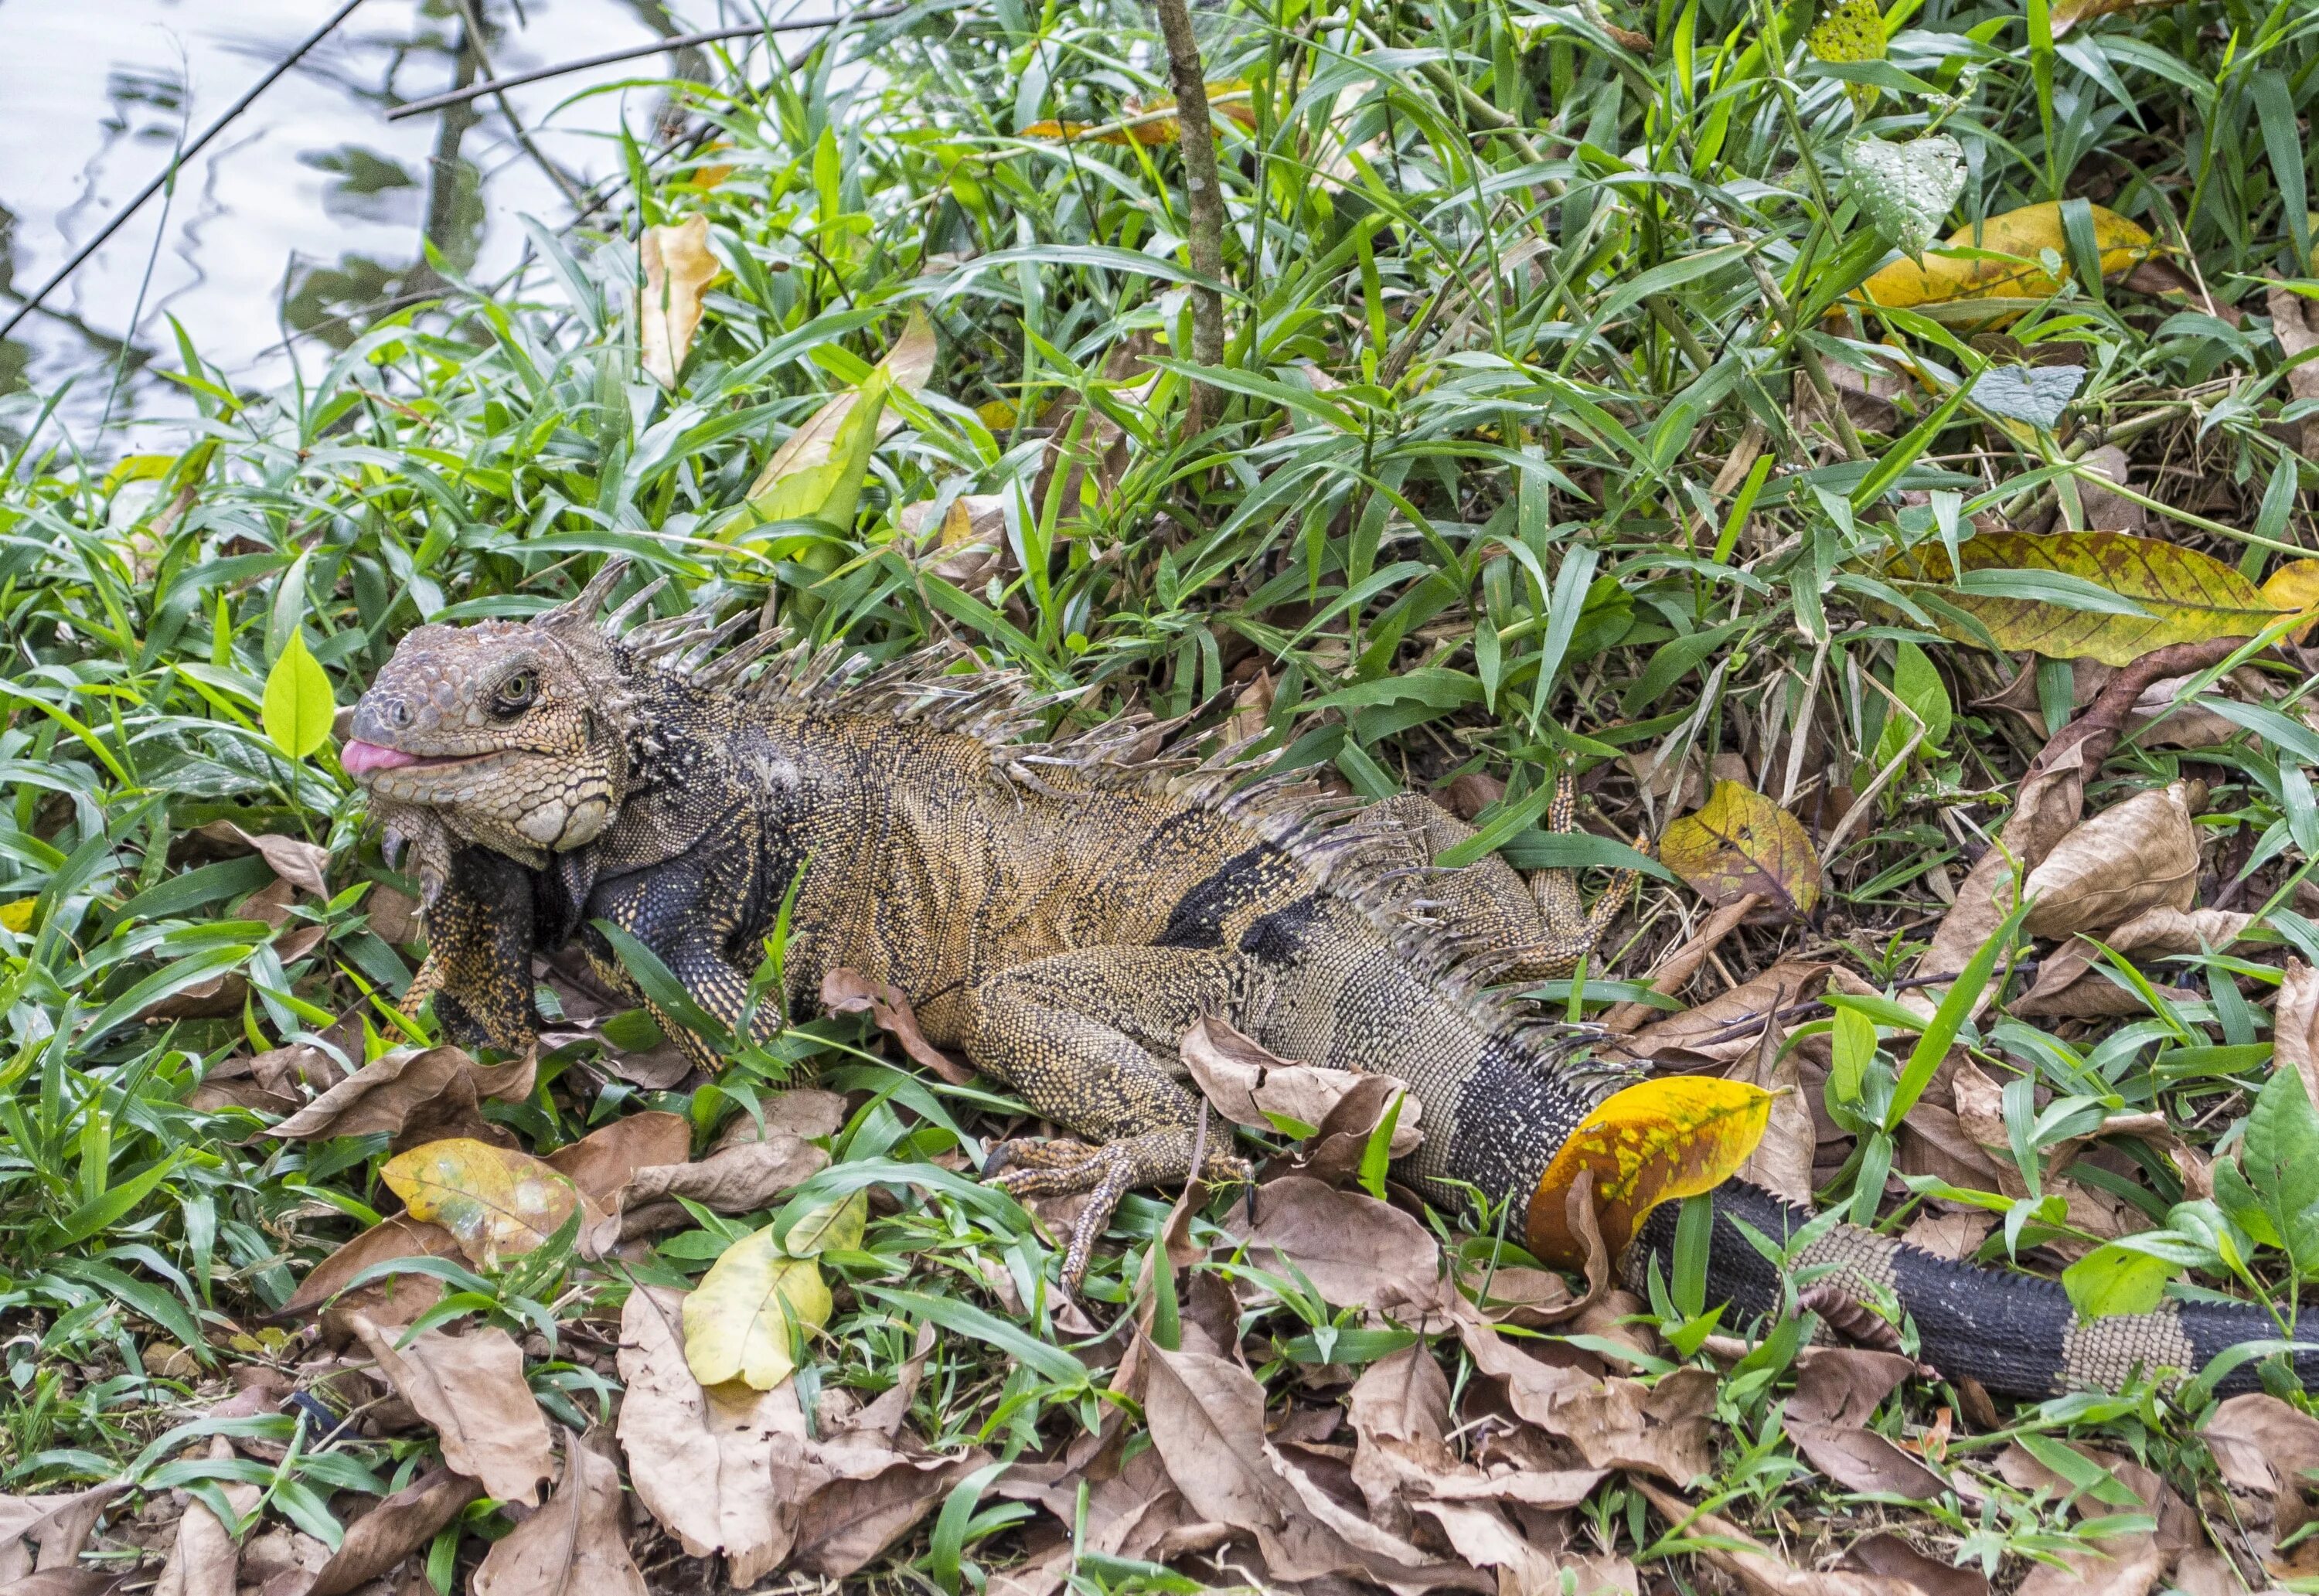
(1063, 920)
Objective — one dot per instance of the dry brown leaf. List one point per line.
(1353, 1248)
(205, 1560)
(849, 1521)
(1728, 1026)
(2268, 1450)
(678, 270)
(701, 1458)
(2294, 323)
(66, 1581)
(1674, 970)
(2153, 933)
(2138, 855)
(1760, 1571)
(741, 1178)
(301, 863)
(1952, 1236)
(1614, 1422)
(605, 1160)
(1250, 1086)
(471, 1388)
(1886, 1554)
(967, 546)
(907, 367)
(574, 1545)
(850, 992)
(395, 1300)
(2295, 1024)
(42, 1532)
(1781, 1163)
(402, 1524)
(381, 1096)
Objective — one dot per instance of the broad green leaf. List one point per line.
(2115, 1279)
(2121, 597)
(298, 707)
(1916, 684)
(745, 1319)
(1906, 190)
(2281, 1164)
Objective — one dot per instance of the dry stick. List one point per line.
(680, 41)
(474, 24)
(176, 166)
(1204, 194)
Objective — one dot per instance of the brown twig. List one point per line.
(1204, 194)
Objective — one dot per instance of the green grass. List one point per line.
(1475, 495)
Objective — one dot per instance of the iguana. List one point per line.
(1064, 913)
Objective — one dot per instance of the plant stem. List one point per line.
(1204, 194)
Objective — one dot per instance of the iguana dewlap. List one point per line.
(1063, 915)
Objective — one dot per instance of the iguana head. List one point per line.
(507, 729)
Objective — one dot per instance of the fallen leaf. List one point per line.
(205, 1561)
(496, 1201)
(1781, 1163)
(700, 1458)
(1838, 1390)
(397, 1526)
(741, 1178)
(678, 270)
(574, 1545)
(65, 1581)
(1885, 1553)
(2296, 327)
(471, 1388)
(2295, 1024)
(850, 992)
(1615, 1422)
(2024, 235)
(2295, 585)
(1740, 843)
(395, 1300)
(2068, 14)
(46, 1532)
(1648, 1144)
(381, 1096)
(1727, 1027)
(752, 1305)
(2269, 1451)
(856, 1516)
(1759, 1570)
(2155, 932)
(2137, 855)
(2118, 597)
(610, 1156)
(1353, 1248)
(301, 863)
(1250, 1086)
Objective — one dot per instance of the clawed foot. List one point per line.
(1062, 1168)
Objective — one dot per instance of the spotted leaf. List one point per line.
(1653, 1142)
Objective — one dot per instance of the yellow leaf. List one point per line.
(750, 1310)
(2005, 259)
(2294, 586)
(1741, 841)
(499, 1203)
(826, 458)
(2186, 596)
(1654, 1141)
(18, 917)
(834, 1226)
(1852, 31)
(678, 270)
(1153, 120)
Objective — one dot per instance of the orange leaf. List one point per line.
(1654, 1141)
(2294, 586)
(1741, 841)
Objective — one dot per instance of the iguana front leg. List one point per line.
(669, 912)
(1088, 1039)
(478, 917)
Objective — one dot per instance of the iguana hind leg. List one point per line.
(1088, 1039)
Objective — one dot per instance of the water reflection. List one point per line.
(307, 216)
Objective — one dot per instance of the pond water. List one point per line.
(310, 205)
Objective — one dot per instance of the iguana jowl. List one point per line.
(1064, 916)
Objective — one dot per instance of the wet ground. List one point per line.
(312, 206)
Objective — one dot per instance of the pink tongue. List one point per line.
(360, 759)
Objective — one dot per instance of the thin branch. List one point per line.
(1204, 194)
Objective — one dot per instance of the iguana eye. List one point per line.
(516, 693)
